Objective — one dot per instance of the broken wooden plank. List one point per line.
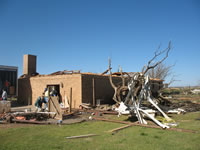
(68, 115)
(54, 106)
(101, 111)
(70, 104)
(105, 72)
(93, 93)
(182, 130)
(110, 112)
(147, 126)
(120, 128)
(85, 106)
(81, 136)
(109, 120)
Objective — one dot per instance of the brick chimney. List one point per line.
(29, 64)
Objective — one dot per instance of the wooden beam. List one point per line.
(105, 72)
(54, 105)
(120, 128)
(81, 136)
(109, 120)
(70, 104)
(100, 111)
(93, 91)
(147, 126)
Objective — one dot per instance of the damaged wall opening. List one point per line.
(54, 90)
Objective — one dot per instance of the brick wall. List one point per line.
(34, 87)
(82, 88)
(103, 88)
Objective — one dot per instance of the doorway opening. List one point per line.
(54, 90)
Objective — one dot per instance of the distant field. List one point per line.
(52, 137)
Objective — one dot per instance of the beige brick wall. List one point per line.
(82, 88)
(36, 85)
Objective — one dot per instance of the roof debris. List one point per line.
(65, 72)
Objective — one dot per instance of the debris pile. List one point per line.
(135, 92)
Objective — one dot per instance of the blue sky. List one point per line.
(82, 34)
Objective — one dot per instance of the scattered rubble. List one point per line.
(186, 105)
(136, 91)
(196, 91)
(176, 111)
(80, 115)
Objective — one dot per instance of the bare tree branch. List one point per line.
(156, 54)
(173, 79)
(110, 76)
(161, 71)
(111, 82)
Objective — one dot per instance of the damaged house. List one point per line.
(86, 87)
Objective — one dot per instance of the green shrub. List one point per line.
(171, 91)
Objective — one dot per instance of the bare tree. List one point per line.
(140, 79)
(161, 71)
(130, 95)
(158, 53)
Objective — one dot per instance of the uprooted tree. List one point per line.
(136, 88)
